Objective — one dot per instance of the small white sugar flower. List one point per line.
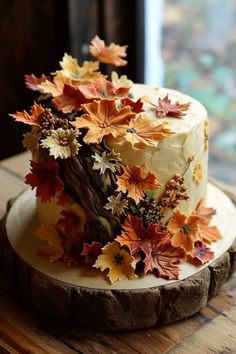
(62, 143)
(105, 161)
(116, 204)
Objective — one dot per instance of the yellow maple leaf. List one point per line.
(117, 260)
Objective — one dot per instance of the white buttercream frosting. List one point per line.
(172, 153)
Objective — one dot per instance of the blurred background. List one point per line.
(188, 45)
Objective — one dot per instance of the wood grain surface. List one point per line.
(212, 330)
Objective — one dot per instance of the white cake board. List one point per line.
(22, 221)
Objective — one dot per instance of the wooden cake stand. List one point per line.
(82, 297)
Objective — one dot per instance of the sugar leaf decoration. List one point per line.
(117, 261)
(44, 177)
(112, 54)
(134, 182)
(32, 118)
(166, 108)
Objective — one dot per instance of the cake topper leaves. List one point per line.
(68, 224)
(163, 259)
(200, 254)
(134, 183)
(55, 87)
(111, 54)
(33, 82)
(136, 237)
(116, 204)
(91, 251)
(117, 260)
(70, 100)
(44, 177)
(102, 118)
(62, 143)
(166, 108)
(102, 89)
(33, 118)
(72, 70)
(121, 81)
(142, 131)
(136, 107)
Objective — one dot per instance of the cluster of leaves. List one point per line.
(78, 108)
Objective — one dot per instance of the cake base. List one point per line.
(123, 307)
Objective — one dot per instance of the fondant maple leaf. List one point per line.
(160, 257)
(136, 237)
(32, 118)
(111, 54)
(68, 223)
(200, 254)
(135, 183)
(136, 107)
(166, 108)
(117, 261)
(163, 259)
(141, 131)
(44, 177)
(102, 89)
(184, 230)
(70, 100)
(103, 118)
(91, 251)
(33, 82)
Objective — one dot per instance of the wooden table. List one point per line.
(212, 330)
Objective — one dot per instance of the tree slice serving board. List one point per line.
(81, 296)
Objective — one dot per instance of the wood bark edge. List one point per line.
(64, 305)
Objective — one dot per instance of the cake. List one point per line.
(120, 170)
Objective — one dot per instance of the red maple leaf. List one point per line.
(166, 108)
(32, 81)
(73, 248)
(136, 107)
(70, 100)
(200, 254)
(102, 89)
(63, 199)
(44, 177)
(91, 251)
(163, 259)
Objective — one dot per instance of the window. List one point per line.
(191, 46)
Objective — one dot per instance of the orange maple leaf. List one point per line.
(183, 230)
(166, 108)
(103, 118)
(136, 237)
(142, 131)
(203, 213)
(33, 118)
(209, 234)
(111, 54)
(134, 183)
